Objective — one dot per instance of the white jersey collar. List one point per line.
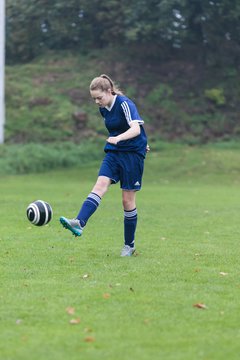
(109, 108)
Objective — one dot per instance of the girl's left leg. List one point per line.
(130, 221)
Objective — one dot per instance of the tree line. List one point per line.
(212, 27)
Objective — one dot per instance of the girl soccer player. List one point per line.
(125, 150)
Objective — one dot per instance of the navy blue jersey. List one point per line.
(118, 119)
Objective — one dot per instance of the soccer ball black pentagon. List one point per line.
(39, 212)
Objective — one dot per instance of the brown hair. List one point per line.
(104, 82)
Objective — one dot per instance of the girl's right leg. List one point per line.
(89, 206)
(93, 200)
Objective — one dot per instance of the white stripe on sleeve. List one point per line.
(128, 115)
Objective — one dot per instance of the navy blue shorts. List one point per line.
(126, 167)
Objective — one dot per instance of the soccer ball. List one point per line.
(39, 212)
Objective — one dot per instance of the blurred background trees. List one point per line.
(211, 27)
(179, 60)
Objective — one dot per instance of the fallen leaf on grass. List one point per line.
(88, 330)
(89, 339)
(75, 321)
(70, 310)
(106, 296)
(200, 306)
(223, 273)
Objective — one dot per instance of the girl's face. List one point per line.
(102, 98)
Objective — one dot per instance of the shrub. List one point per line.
(34, 158)
(160, 93)
(216, 95)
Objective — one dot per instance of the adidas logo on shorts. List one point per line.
(137, 183)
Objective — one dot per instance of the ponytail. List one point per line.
(104, 83)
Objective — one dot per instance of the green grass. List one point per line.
(129, 308)
(53, 78)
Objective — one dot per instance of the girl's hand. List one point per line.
(113, 140)
(148, 148)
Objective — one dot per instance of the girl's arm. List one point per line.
(129, 134)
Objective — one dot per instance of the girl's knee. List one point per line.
(101, 186)
(128, 200)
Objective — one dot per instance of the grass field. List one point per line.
(66, 298)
